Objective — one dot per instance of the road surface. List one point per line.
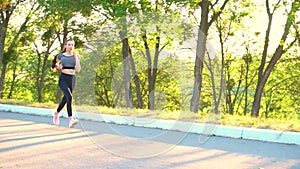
(32, 142)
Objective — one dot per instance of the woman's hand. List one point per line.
(59, 67)
(75, 53)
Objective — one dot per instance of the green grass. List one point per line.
(261, 122)
(224, 119)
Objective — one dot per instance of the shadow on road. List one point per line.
(29, 136)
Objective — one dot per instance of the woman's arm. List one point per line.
(77, 63)
(55, 63)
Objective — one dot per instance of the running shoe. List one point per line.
(55, 119)
(73, 123)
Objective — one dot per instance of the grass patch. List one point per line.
(15, 102)
(224, 119)
(261, 122)
(28, 103)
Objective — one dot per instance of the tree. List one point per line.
(228, 25)
(43, 65)
(205, 23)
(61, 23)
(119, 12)
(148, 32)
(131, 10)
(152, 69)
(126, 65)
(265, 69)
(7, 10)
(7, 57)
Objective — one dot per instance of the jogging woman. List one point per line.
(68, 63)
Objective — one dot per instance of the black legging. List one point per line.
(66, 83)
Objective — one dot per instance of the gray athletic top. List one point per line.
(68, 62)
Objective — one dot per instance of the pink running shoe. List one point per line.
(55, 119)
(73, 123)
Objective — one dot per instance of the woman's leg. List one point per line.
(61, 104)
(71, 84)
(67, 83)
(64, 85)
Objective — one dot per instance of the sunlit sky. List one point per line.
(258, 23)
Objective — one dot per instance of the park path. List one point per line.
(32, 142)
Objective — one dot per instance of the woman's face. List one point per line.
(69, 45)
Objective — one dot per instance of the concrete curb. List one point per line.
(204, 129)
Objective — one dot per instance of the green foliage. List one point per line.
(169, 81)
(281, 89)
(101, 77)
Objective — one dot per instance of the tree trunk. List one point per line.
(216, 100)
(247, 60)
(136, 81)
(153, 76)
(38, 74)
(42, 79)
(13, 82)
(149, 71)
(200, 52)
(2, 79)
(126, 66)
(152, 71)
(41, 74)
(3, 30)
(228, 94)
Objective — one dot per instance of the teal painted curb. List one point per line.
(197, 128)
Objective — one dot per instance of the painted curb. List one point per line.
(203, 129)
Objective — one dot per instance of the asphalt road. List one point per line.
(32, 142)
